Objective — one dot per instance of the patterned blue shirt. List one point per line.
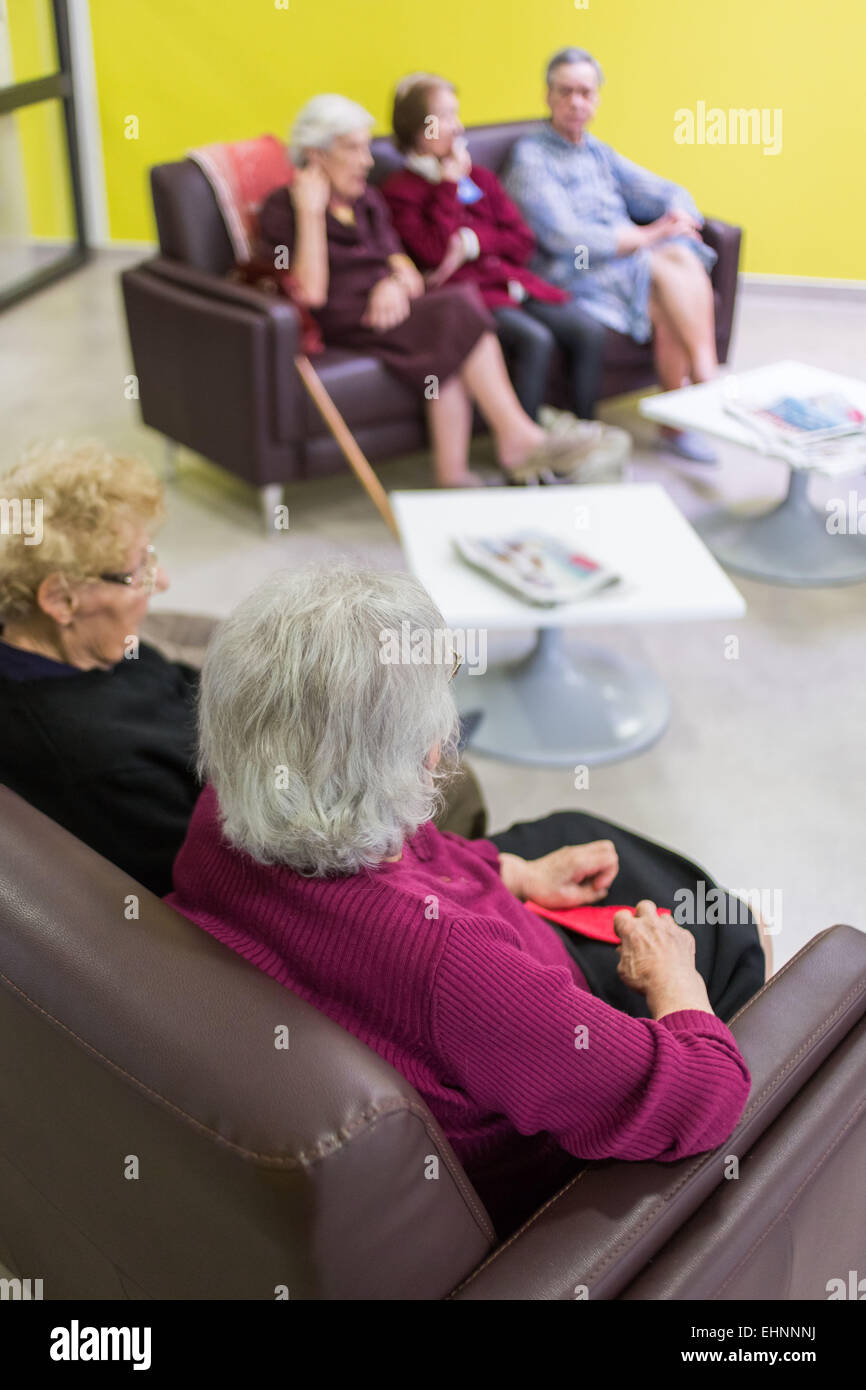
(577, 199)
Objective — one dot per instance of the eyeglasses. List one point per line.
(458, 662)
(144, 577)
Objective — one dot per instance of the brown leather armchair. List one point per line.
(214, 359)
(155, 1143)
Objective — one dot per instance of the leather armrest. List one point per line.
(277, 307)
(283, 315)
(599, 1232)
(726, 241)
(174, 307)
(724, 237)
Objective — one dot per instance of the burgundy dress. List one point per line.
(443, 326)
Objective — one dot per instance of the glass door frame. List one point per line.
(58, 87)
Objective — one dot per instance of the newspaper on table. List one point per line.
(824, 431)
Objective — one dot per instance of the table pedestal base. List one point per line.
(560, 708)
(788, 545)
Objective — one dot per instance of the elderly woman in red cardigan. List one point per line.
(349, 269)
(312, 853)
(459, 225)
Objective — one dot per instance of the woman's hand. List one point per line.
(456, 165)
(408, 275)
(657, 958)
(310, 191)
(670, 224)
(387, 306)
(685, 224)
(454, 258)
(569, 877)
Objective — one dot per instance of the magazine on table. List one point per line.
(797, 423)
(536, 566)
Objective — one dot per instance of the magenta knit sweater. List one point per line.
(434, 964)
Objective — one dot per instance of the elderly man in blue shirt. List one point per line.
(623, 241)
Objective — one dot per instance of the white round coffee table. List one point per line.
(793, 542)
(790, 544)
(568, 702)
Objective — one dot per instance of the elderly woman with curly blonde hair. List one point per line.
(97, 727)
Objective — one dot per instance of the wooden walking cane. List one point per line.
(347, 441)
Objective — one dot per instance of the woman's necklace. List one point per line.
(343, 213)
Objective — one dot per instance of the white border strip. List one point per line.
(120, 244)
(802, 284)
(87, 122)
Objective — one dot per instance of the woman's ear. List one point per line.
(318, 159)
(432, 760)
(56, 599)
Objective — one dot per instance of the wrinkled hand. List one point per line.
(310, 190)
(408, 275)
(454, 258)
(573, 876)
(673, 223)
(653, 949)
(456, 165)
(387, 306)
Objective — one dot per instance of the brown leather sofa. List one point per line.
(155, 1143)
(215, 359)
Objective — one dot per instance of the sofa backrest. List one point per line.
(189, 223)
(188, 220)
(178, 1125)
(489, 145)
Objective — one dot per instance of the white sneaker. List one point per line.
(688, 444)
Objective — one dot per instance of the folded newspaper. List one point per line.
(798, 426)
(535, 566)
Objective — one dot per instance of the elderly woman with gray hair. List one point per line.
(312, 853)
(349, 269)
(97, 727)
(97, 694)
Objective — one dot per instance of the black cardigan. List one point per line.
(110, 755)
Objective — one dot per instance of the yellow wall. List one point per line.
(194, 71)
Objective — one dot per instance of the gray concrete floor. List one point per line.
(760, 776)
(20, 258)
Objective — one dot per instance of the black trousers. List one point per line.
(729, 957)
(529, 333)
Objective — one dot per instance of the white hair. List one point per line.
(315, 742)
(573, 55)
(321, 121)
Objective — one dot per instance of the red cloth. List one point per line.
(595, 922)
(434, 964)
(242, 174)
(427, 214)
